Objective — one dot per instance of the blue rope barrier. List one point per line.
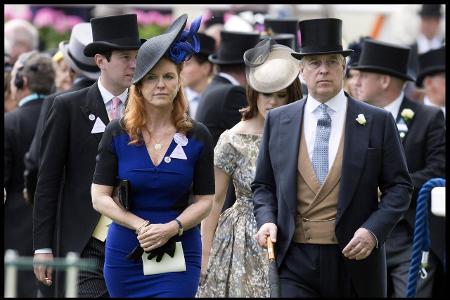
(421, 243)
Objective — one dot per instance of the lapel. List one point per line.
(289, 141)
(93, 105)
(406, 103)
(355, 150)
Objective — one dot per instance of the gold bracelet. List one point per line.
(144, 224)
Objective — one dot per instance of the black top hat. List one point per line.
(114, 32)
(232, 47)
(285, 39)
(430, 63)
(275, 25)
(321, 36)
(430, 10)
(384, 58)
(207, 44)
(154, 48)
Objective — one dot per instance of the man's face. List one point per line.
(351, 83)
(368, 86)
(324, 75)
(429, 26)
(194, 72)
(120, 68)
(435, 88)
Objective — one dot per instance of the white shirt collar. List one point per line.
(229, 77)
(107, 96)
(427, 101)
(394, 106)
(190, 93)
(425, 45)
(337, 103)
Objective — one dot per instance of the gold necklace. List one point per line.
(158, 145)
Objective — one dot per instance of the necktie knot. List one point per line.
(320, 152)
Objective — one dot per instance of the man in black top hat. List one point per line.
(225, 95)
(70, 141)
(322, 211)
(430, 37)
(383, 72)
(197, 71)
(431, 77)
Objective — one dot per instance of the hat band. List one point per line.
(84, 67)
(324, 48)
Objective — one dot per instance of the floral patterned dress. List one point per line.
(237, 265)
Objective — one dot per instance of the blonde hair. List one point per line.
(134, 118)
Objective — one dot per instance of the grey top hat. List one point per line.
(114, 32)
(321, 36)
(384, 58)
(154, 48)
(431, 62)
(72, 51)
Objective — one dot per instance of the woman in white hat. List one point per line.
(233, 264)
(165, 157)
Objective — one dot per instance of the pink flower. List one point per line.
(45, 17)
(60, 24)
(73, 20)
(25, 14)
(9, 13)
(141, 16)
(227, 16)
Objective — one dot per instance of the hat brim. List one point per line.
(213, 58)
(154, 48)
(378, 69)
(100, 47)
(300, 55)
(428, 72)
(277, 72)
(64, 48)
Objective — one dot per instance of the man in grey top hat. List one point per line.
(383, 73)
(76, 122)
(322, 211)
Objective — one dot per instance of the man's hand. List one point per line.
(266, 230)
(43, 274)
(361, 245)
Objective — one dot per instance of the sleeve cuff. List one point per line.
(43, 251)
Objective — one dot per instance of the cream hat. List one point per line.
(270, 67)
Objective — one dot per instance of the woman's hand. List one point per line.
(155, 235)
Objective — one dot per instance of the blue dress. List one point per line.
(158, 194)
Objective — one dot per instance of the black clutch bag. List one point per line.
(121, 194)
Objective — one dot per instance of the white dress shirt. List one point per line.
(193, 100)
(107, 98)
(337, 109)
(394, 106)
(425, 45)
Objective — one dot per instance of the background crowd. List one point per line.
(64, 71)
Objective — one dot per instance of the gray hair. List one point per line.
(21, 31)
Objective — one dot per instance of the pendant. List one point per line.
(157, 147)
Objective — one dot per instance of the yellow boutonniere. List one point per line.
(407, 114)
(361, 119)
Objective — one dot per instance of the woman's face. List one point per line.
(265, 102)
(160, 85)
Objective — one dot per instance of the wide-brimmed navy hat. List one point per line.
(385, 58)
(176, 44)
(431, 62)
(233, 44)
(321, 36)
(114, 32)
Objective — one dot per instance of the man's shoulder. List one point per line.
(69, 97)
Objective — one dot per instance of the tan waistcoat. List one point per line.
(316, 204)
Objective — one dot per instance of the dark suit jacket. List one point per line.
(20, 125)
(68, 151)
(31, 159)
(424, 146)
(219, 106)
(373, 157)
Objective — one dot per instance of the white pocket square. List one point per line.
(99, 126)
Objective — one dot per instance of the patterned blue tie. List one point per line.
(320, 152)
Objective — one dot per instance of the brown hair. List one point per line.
(134, 118)
(294, 92)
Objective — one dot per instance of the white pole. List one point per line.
(71, 276)
(11, 274)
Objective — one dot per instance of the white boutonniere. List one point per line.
(361, 119)
(407, 114)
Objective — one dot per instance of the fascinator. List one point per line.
(270, 67)
(174, 44)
